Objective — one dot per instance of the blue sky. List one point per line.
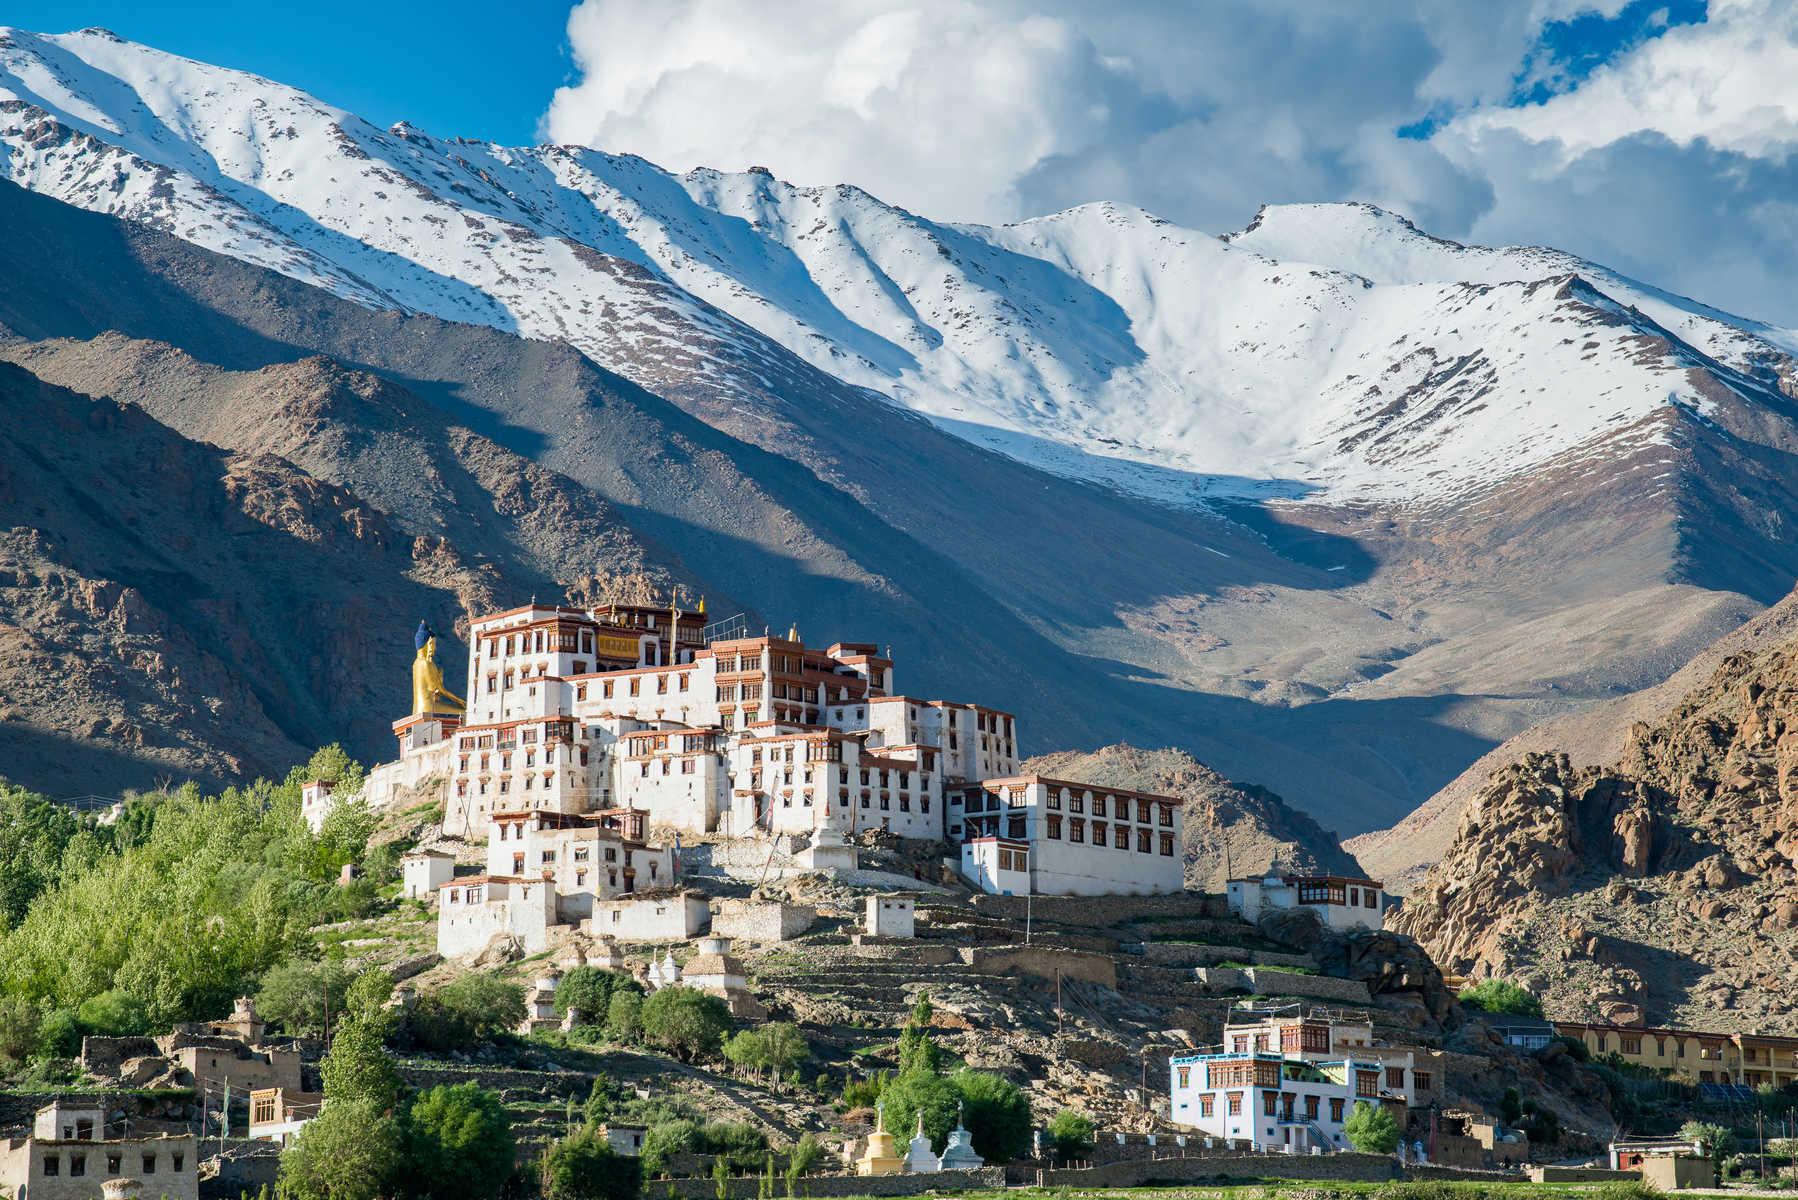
(1659, 137)
(454, 67)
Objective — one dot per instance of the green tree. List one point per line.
(1501, 996)
(784, 1048)
(1510, 1107)
(358, 1066)
(459, 1142)
(1071, 1133)
(589, 991)
(747, 1049)
(624, 1017)
(183, 920)
(720, 1179)
(294, 994)
(594, 1112)
(804, 1158)
(474, 1008)
(353, 1150)
(997, 1114)
(1719, 1140)
(686, 1023)
(34, 832)
(665, 1139)
(113, 1014)
(917, 1052)
(1371, 1128)
(18, 1029)
(908, 1095)
(583, 1166)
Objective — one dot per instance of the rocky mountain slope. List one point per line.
(1588, 737)
(1409, 498)
(1229, 828)
(1660, 887)
(169, 608)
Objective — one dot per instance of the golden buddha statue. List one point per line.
(428, 693)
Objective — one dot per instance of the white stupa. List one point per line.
(920, 1158)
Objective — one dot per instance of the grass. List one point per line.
(1329, 1189)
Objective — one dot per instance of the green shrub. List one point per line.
(582, 1166)
(624, 1017)
(1371, 1128)
(59, 1034)
(996, 1112)
(474, 1008)
(1501, 996)
(1719, 1141)
(805, 1157)
(459, 1143)
(686, 1023)
(1071, 1133)
(589, 991)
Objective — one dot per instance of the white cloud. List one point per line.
(1731, 82)
(993, 110)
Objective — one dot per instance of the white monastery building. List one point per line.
(586, 732)
(1340, 902)
(1028, 834)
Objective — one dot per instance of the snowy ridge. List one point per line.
(1328, 351)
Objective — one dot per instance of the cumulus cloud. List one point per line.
(1731, 82)
(1667, 160)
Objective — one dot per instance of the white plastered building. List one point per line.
(1340, 902)
(1031, 834)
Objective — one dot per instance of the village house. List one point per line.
(422, 872)
(277, 1114)
(1269, 1101)
(1341, 903)
(67, 1156)
(1029, 834)
(471, 912)
(1409, 1075)
(1749, 1060)
(667, 916)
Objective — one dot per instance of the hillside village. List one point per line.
(631, 807)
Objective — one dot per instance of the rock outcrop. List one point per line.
(1661, 888)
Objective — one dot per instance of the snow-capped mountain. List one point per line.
(1327, 351)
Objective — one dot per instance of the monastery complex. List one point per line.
(592, 741)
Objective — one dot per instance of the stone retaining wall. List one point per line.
(748, 1187)
(1101, 910)
(1044, 962)
(1370, 1168)
(1270, 981)
(1579, 1175)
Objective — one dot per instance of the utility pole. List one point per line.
(1058, 1002)
(1029, 897)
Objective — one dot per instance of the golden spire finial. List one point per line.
(793, 632)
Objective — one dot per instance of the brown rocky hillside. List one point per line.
(1660, 888)
(1230, 828)
(1590, 736)
(170, 609)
